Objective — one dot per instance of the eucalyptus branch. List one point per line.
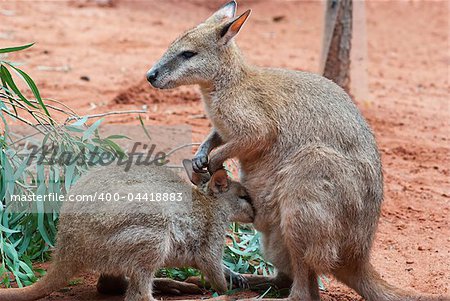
(105, 114)
(21, 119)
(55, 108)
(41, 119)
(18, 101)
(61, 104)
(181, 147)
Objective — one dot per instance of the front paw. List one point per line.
(200, 162)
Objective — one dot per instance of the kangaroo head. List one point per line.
(231, 194)
(197, 55)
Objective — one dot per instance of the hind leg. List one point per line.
(303, 265)
(140, 287)
(212, 267)
(313, 285)
(304, 286)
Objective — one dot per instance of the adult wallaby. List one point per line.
(308, 158)
(133, 235)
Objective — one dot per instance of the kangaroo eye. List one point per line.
(188, 54)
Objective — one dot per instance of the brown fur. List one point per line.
(308, 158)
(137, 238)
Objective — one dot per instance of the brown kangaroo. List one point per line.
(308, 158)
(135, 238)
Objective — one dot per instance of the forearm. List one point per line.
(200, 160)
(212, 141)
(222, 153)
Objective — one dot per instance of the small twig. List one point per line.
(180, 147)
(198, 116)
(26, 187)
(22, 119)
(23, 138)
(62, 104)
(105, 114)
(53, 108)
(63, 68)
(41, 118)
(174, 166)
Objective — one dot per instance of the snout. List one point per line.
(152, 76)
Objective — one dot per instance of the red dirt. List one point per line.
(408, 105)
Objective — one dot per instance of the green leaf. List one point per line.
(41, 220)
(9, 80)
(17, 48)
(74, 129)
(80, 121)
(26, 268)
(117, 149)
(5, 88)
(21, 168)
(68, 176)
(6, 230)
(42, 190)
(144, 128)
(118, 137)
(236, 251)
(90, 131)
(34, 89)
(40, 271)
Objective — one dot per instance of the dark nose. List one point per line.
(152, 75)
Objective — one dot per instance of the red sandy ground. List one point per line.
(408, 105)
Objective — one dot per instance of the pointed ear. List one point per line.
(227, 11)
(195, 178)
(219, 181)
(232, 28)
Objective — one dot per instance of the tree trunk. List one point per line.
(337, 42)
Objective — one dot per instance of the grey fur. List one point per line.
(136, 238)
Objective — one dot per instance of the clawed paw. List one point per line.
(200, 163)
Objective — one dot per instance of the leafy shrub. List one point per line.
(26, 236)
(244, 253)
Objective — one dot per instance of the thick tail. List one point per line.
(56, 278)
(369, 284)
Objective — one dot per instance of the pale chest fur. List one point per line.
(238, 117)
(217, 114)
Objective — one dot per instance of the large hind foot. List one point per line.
(117, 285)
(271, 299)
(249, 281)
(236, 280)
(220, 298)
(173, 287)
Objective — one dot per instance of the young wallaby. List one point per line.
(132, 237)
(308, 158)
